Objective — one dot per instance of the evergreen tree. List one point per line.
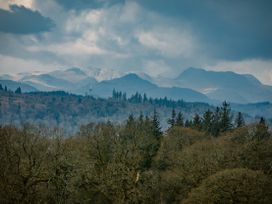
(156, 128)
(6, 89)
(239, 121)
(179, 121)
(141, 117)
(207, 121)
(114, 94)
(215, 130)
(130, 120)
(197, 123)
(1, 87)
(171, 121)
(225, 120)
(188, 123)
(18, 90)
(124, 97)
(145, 98)
(262, 130)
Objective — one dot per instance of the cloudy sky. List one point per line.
(157, 37)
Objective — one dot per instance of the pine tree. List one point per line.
(197, 123)
(6, 89)
(1, 87)
(215, 130)
(207, 121)
(114, 95)
(225, 121)
(156, 128)
(171, 121)
(188, 123)
(130, 120)
(179, 121)
(262, 130)
(145, 98)
(239, 121)
(18, 90)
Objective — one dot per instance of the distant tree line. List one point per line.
(139, 98)
(17, 91)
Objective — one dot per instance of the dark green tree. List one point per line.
(239, 121)
(188, 123)
(18, 90)
(156, 127)
(226, 118)
(171, 121)
(197, 123)
(1, 87)
(179, 121)
(262, 130)
(207, 121)
(215, 131)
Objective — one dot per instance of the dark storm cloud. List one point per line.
(87, 4)
(230, 30)
(21, 20)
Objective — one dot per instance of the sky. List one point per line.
(158, 37)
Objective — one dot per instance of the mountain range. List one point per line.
(192, 85)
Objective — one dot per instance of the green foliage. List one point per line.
(226, 118)
(135, 162)
(239, 121)
(18, 90)
(233, 186)
(171, 121)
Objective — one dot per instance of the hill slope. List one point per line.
(132, 83)
(228, 86)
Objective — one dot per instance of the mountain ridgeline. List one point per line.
(192, 85)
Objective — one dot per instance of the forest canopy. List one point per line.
(137, 162)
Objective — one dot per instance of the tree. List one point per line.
(225, 117)
(215, 131)
(188, 123)
(1, 87)
(239, 121)
(233, 186)
(207, 121)
(18, 90)
(179, 121)
(261, 130)
(156, 128)
(6, 89)
(171, 121)
(197, 123)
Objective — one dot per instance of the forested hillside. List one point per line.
(138, 163)
(68, 111)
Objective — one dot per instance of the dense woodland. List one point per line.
(209, 159)
(69, 111)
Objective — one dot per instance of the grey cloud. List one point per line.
(229, 30)
(87, 4)
(21, 20)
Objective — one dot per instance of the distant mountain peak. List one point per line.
(132, 76)
(76, 70)
(225, 85)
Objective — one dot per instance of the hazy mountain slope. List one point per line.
(225, 85)
(71, 80)
(132, 83)
(13, 85)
